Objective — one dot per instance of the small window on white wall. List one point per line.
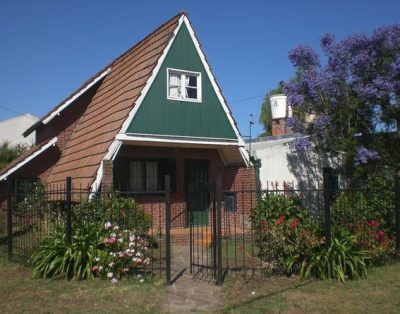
(184, 85)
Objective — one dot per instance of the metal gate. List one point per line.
(205, 239)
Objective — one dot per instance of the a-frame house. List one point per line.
(155, 110)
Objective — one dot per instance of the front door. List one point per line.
(197, 191)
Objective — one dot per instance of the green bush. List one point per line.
(56, 258)
(286, 232)
(291, 241)
(123, 211)
(371, 221)
(344, 259)
(106, 231)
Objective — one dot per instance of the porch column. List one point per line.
(108, 177)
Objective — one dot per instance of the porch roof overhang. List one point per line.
(230, 150)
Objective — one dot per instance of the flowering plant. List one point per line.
(125, 253)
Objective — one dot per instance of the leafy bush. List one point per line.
(56, 258)
(123, 211)
(291, 241)
(287, 232)
(125, 253)
(370, 221)
(110, 235)
(344, 259)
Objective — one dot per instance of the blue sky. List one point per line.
(48, 48)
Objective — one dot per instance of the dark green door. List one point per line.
(197, 191)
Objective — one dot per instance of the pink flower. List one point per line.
(111, 240)
(95, 269)
(107, 225)
(114, 280)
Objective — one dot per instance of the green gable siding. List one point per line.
(159, 115)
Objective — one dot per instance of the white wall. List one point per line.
(280, 163)
(11, 129)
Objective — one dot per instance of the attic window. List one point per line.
(184, 85)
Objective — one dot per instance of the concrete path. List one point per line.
(188, 295)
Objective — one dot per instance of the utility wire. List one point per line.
(247, 99)
(14, 111)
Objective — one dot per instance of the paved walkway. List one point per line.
(187, 295)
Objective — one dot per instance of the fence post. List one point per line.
(397, 213)
(214, 232)
(168, 228)
(219, 232)
(9, 220)
(68, 213)
(328, 200)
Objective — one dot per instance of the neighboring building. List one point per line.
(11, 129)
(280, 163)
(155, 110)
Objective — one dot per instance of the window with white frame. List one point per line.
(184, 85)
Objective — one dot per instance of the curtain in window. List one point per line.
(174, 85)
(151, 176)
(136, 176)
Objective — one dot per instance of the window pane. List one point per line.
(136, 176)
(175, 92)
(174, 79)
(191, 81)
(151, 176)
(191, 93)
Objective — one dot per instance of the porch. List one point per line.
(140, 170)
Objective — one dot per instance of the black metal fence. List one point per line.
(232, 240)
(24, 224)
(239, 238)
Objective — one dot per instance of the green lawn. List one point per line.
(379, 293)
(22, 294)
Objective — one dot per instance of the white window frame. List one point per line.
(183, 74)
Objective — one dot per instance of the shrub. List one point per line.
(125, 253)
(287, 232)
(292, 241)
(56, 258)
(110, 235)
(360, 213)
(123, 211)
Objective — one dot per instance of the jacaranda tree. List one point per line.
(350, 104)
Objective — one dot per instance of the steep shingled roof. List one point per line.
(110, 107)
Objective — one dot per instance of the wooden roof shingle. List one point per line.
(110, 106)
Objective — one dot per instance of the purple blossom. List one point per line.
(295, 124)
(364, 155)
(301, 143)
(304, 57)
(327, 41)
(323, 122)
(294, 94)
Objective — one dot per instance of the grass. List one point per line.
(22, 294)
(379, 293)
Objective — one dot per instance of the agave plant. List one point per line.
(56, 258)
(344, 259)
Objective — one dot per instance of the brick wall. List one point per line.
(237, 178)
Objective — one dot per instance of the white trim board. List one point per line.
(190, 138)
(28, 159)
(74, 97)
(126, 137)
